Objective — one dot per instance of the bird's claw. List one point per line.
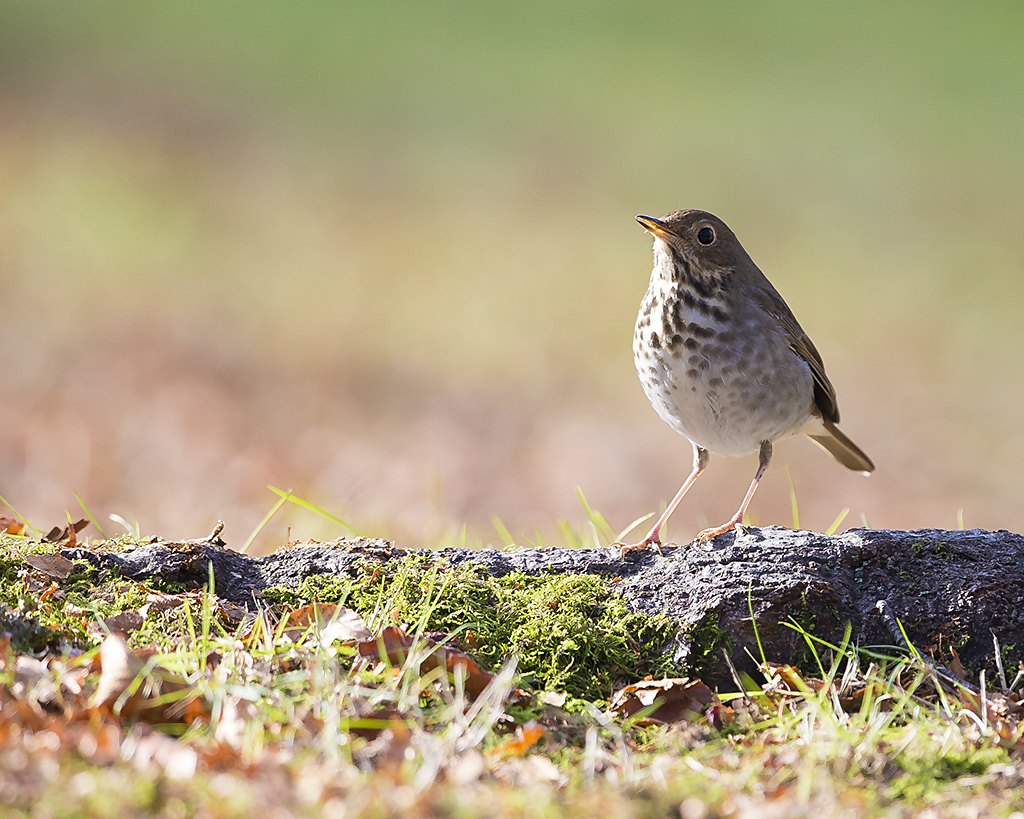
(706, 536)
(654, 543)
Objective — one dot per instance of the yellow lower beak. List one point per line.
(655, 226)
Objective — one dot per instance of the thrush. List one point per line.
(723, 360)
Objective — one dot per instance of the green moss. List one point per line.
(706, 641)
(10, 565)
(573, 634)
(1010, 656)
(570, 632)
(80, 586)
(36, 621)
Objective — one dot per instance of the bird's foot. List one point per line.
(653, 541)
(705, 537)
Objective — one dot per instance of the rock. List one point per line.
(948, 588)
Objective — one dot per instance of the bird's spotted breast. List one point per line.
(700, 368)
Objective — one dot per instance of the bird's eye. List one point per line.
(705, 236)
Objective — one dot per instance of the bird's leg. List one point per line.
(737, 519)
(700, 461)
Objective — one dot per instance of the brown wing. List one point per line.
(824, 393)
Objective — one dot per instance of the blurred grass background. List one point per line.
(384, 255)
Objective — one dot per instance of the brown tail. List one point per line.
(843, 449)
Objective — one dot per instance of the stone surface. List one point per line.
(948, 588)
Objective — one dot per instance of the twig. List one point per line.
(943, 675)
(999, 662)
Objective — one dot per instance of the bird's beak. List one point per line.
(655, 226)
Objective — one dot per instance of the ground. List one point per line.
(418, 689)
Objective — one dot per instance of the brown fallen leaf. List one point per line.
(392, 643)
(69, 532)
(327, 623)
(1002, 714)
(525, 737)
(131, 687)
(785, 682)
(124, 623)
(232, 612)
(678, 699)
(118, 669)
(785, 679)
(313, 614)
(396, 645)
(160, 601)
(955, 665)
(11, 526)
(54, 566)
(346, 626)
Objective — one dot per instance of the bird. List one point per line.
(723, 360)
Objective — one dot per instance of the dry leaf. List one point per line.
(314, 614)
(786, 679)
(525, 737)
(11, 526)
(327, 622)
(57, 534)
(159, 601)
(396, 645)
(57, 567)
(1001, 713)
(346, 626)
(555, 698)
(118, 668)
(678, 699)
(124, 623)
(955, 665)
(233, 613)
(159, 696)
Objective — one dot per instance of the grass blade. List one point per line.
(266, 519)
(838, 521)
(95, 522)
(288, 496)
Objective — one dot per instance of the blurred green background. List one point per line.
(384, 255)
